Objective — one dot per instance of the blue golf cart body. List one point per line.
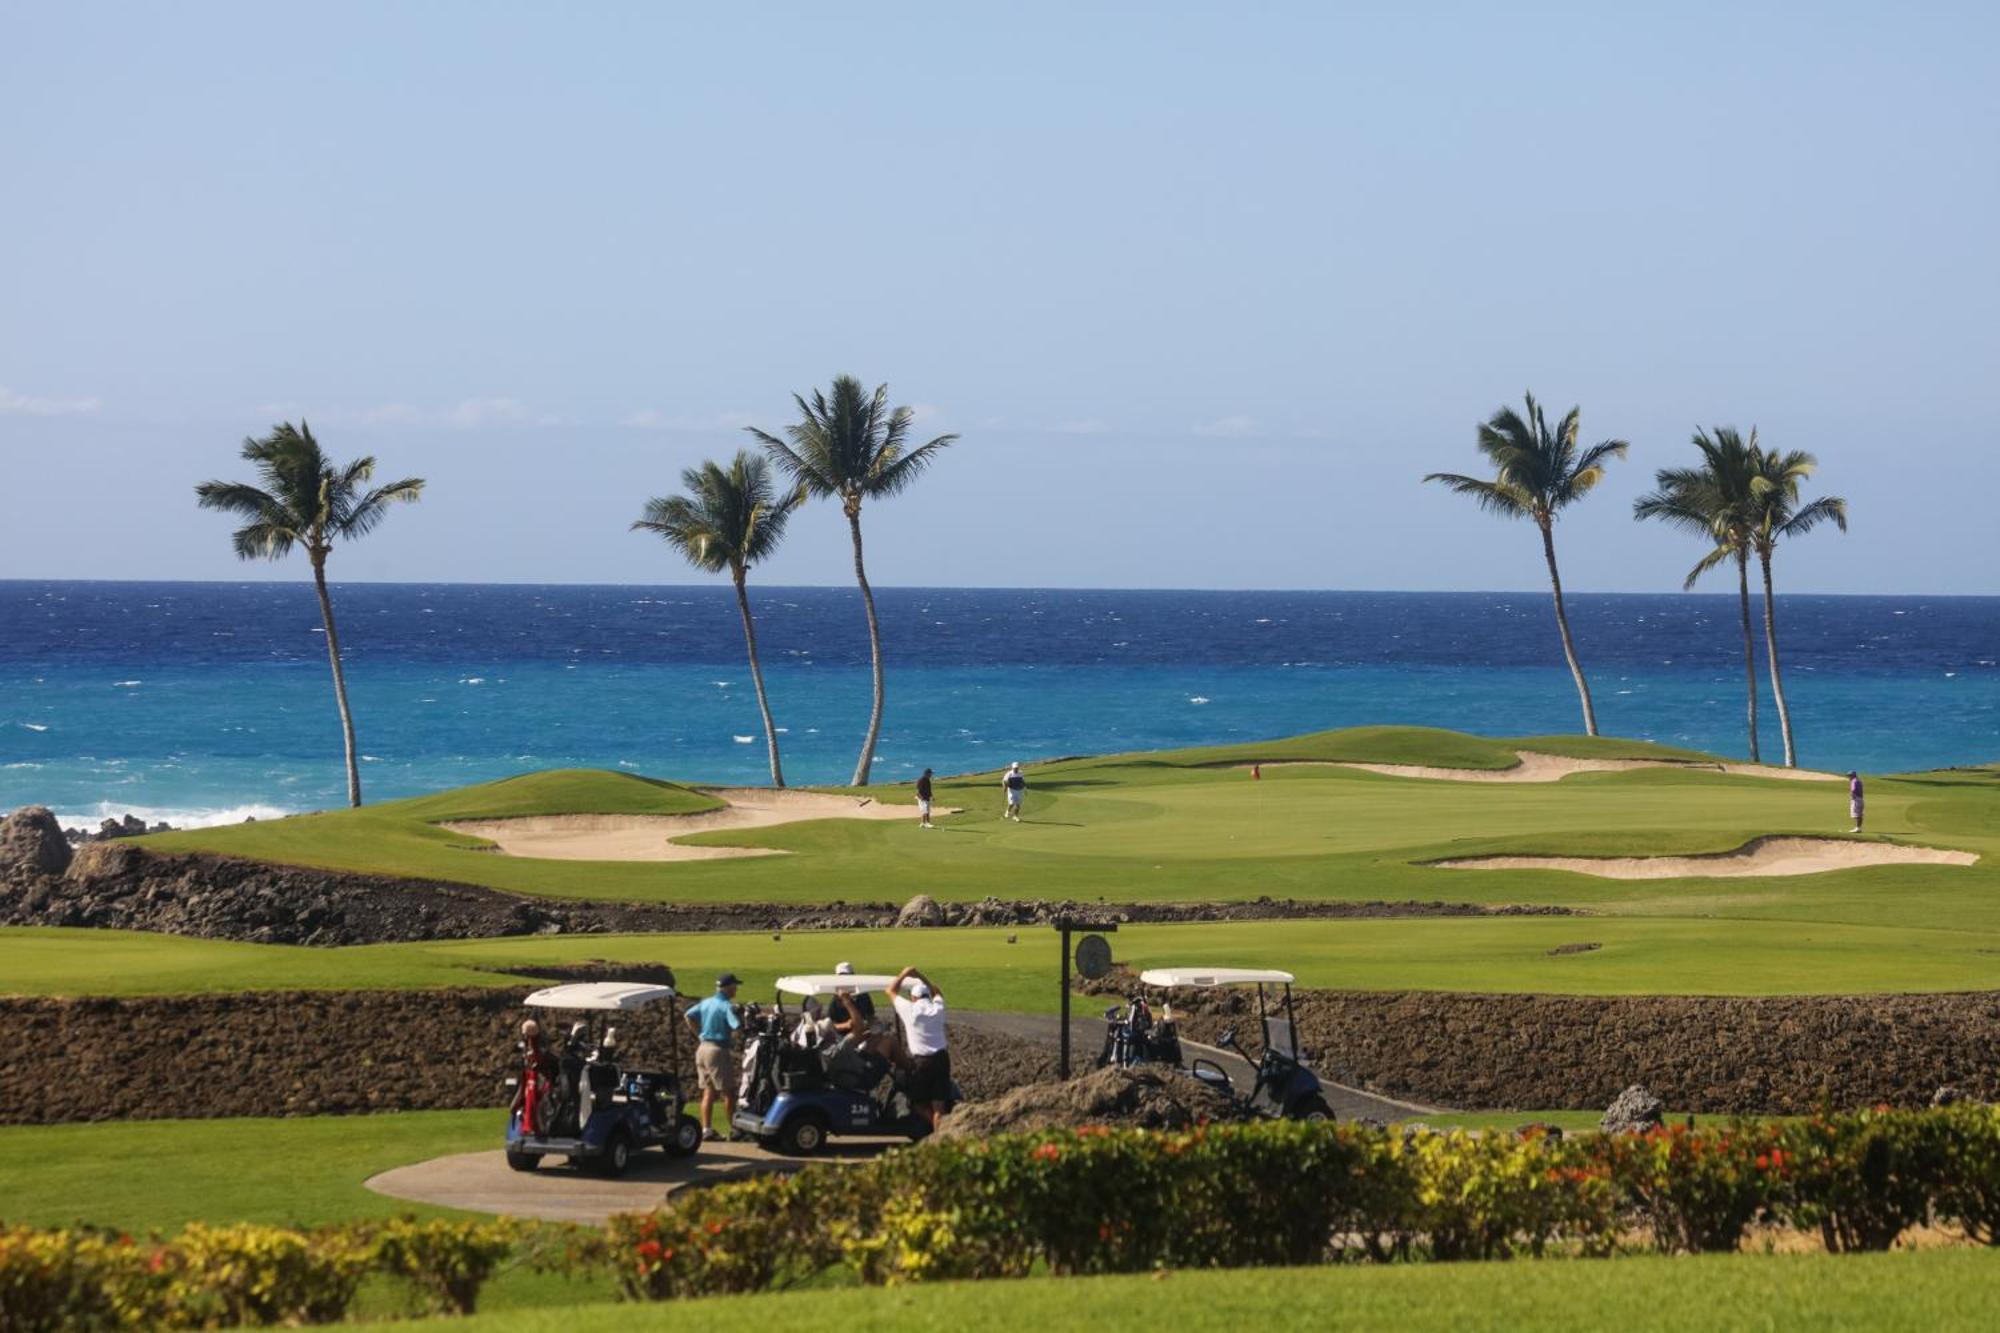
(605, 1112)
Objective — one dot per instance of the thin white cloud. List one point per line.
(1087, 426)
(475, 412)
(651, 418)
(1233, 427)
(13, 403)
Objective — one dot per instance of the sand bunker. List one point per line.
(650, 837)
(1535, 767)
(1759, 857)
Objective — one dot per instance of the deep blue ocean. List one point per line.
(207, 701)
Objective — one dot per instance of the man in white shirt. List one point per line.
(920, 1006)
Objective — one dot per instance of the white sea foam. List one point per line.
(472, 680)
(1198, 699)
(744, 740)
(196, 817)
(36, 726)
(125, 684)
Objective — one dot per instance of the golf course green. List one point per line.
(1193, 825)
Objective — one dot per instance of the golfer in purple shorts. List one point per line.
(1855, 801)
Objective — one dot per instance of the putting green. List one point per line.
(1192, 825)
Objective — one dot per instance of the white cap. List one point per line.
(1015, 764)
(843, 969)
(917, 990)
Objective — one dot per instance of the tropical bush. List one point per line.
(446, 1262)
(1863, 1179)
(1698, 1190)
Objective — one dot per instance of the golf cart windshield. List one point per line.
(618, 996)
(827, 983)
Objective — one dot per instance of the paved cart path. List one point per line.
(482, 1182)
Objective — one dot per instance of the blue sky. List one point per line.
(1205, 288)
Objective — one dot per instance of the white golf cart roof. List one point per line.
(826, 983)
(1214, 976)
(619, 995)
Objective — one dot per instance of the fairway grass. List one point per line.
(981, 969)
(1913, 1290)
(1191, 825)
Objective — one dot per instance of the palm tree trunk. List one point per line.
(1777, 676)
(1562, 623)
(339, 679)
(1749, 649)
(757, 678)
(867, 760)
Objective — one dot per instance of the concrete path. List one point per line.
(482, 1182)
(1087, 1038)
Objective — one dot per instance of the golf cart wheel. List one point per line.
(802, 1136)
(617, 1155)
(523, 1161)
(1311, 1109)
(685, 1138)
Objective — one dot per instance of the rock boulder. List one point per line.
(921, 910)
(1633, 1111)
(31, 840)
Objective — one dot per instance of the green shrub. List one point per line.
(1968, 1187)
(1864, 1178)
(1486, 1196)
(1698, 1189)
(227, 1277)
(76, 1280)
(446, 1261)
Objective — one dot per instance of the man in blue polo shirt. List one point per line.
(715, 1021)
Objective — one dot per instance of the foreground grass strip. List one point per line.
(151, 1175)
(1935, 1289)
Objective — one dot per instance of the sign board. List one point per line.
(1093, 957)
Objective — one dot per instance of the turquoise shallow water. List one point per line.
(209, 701)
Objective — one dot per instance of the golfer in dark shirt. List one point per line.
(924, 800)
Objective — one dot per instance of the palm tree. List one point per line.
(1538, 474)
(851, 446)
(1713, 501)
(1777, 514)
(304, 500)
(730, 519)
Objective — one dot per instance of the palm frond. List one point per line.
(1710, 561)
(1827, 509)
(1493, 496)
(353, 517)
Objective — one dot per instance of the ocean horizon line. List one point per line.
(723, 586)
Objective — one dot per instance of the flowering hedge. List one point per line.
(235, 1276)
(1100, 1200)
(1084, 1201)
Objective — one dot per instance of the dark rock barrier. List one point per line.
(1717, 1054)
(284, 1053)
(122, 886)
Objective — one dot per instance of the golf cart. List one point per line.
(799, 1089)
(594, 1111)
(1283, 1088)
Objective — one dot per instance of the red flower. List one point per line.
(649, 1249)
(1048, 1152)
(715, 1228)
(1763, 1162)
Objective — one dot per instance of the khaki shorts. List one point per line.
(714, 1068)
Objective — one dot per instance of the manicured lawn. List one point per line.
(980, 969)
(1915, 1290)
(145, 1175)
(1184, 824)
